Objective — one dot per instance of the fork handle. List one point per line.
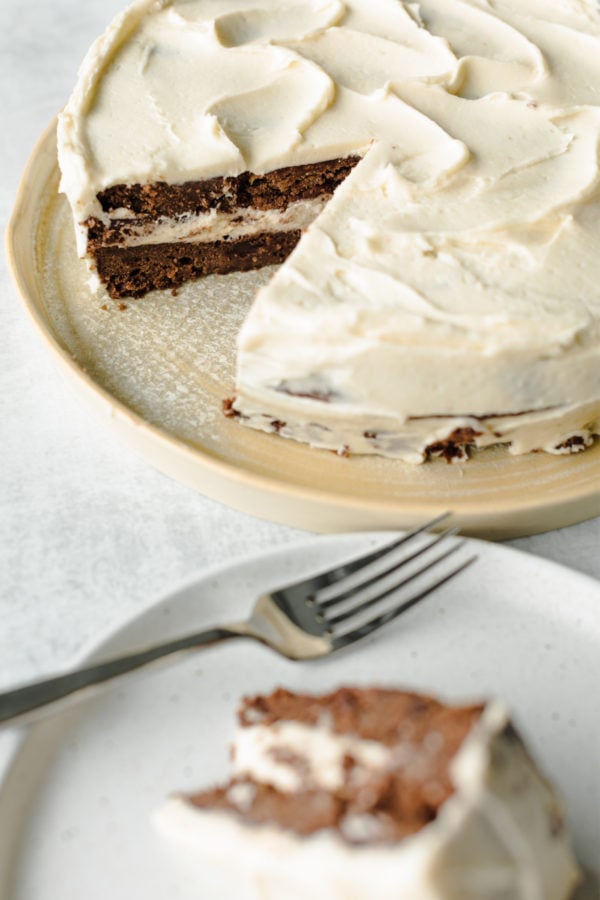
(25, 703)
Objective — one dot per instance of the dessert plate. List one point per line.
(80, 789)
(158, 369)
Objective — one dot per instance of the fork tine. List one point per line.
(377, 576)
(350, 637)
(324, 579)
(371, 601)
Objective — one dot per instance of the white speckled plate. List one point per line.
(79, 792)
(159, 369)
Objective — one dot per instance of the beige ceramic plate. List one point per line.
(159, 368)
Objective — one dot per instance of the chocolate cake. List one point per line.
(427, 174)
(367, 793)
(131, 259)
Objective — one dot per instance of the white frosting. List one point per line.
(180, 90)
(437, 283)
(216, 225)
(369, 433)
(495, 838)
(402, 302)
(455, 273)
(320, 754)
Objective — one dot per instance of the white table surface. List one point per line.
(90, 533)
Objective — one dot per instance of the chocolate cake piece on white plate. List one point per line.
(374, 794)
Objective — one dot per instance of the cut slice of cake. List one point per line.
(374, 794)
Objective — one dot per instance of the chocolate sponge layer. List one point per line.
(133, 271)
(274, 190)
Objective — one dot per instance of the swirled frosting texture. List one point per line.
(456, 270)
(191, 89)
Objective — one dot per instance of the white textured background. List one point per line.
(89, 532)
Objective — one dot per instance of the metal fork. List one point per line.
(305, 620)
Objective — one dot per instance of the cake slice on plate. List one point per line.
(374, 793)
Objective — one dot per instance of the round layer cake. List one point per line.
(426, 172)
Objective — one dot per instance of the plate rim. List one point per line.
(129, 423)
(302, 545)
(91, 650)
(25, 736)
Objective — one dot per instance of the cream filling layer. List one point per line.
(217, 226)
(291, 756)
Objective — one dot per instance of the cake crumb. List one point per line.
(227, 406)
